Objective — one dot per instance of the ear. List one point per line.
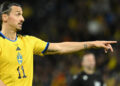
(4, 17)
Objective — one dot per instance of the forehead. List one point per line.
(89, 57)
(16, 9)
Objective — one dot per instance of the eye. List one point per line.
(18, 14)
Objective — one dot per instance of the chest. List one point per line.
(15, 53)
(91, 81)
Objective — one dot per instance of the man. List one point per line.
(88, 77)
(16, 51)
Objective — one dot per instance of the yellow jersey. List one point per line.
(16, 59)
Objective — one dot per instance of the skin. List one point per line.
(88, 63)
(13, 22)
(1, 83)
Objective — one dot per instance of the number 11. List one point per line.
(18, 69)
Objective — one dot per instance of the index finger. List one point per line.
(111, 42)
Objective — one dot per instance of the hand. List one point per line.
(104, 44)
(1, 83)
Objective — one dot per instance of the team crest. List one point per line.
(19, 58)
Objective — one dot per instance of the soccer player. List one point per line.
(16, 51)
(88, 77)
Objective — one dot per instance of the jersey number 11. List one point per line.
(18, 69)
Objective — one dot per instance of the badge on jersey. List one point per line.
(19, 58)
(97, 83)
(85, 77)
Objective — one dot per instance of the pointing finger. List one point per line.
(110, 42)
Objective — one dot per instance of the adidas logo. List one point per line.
(18, 49)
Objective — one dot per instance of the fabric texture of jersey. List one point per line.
(16, 59)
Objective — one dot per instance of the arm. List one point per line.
(1, 83)
(71, 47)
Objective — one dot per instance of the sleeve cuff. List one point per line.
(47, 45)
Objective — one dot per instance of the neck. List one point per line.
(88, 71)
(8, 32)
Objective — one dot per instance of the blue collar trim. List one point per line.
(8, 38)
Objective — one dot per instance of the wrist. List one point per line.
(91, 44)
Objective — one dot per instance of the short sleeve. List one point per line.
(40, 46)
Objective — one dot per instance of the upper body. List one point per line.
(16, 59)
(88, 77)
(16, 54)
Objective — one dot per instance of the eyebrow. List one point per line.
(17, 11)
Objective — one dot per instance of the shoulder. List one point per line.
(23, 36)
(98, 74)
(30, 39)
(26, 37)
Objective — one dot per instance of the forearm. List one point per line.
(68, 47)
(71, 47)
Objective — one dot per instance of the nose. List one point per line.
(22, 19)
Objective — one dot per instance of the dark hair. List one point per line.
(5, 8)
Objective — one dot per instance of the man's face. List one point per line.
(89, 62)
(15, 18)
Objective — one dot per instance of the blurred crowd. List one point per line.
(73, 20)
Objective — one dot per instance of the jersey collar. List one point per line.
(3, 36)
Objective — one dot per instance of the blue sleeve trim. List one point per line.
(47, 45)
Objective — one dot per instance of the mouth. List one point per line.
(20, 24)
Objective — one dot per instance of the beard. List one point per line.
(18, 29)
(19, 26)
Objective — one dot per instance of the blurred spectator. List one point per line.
(88, 77)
